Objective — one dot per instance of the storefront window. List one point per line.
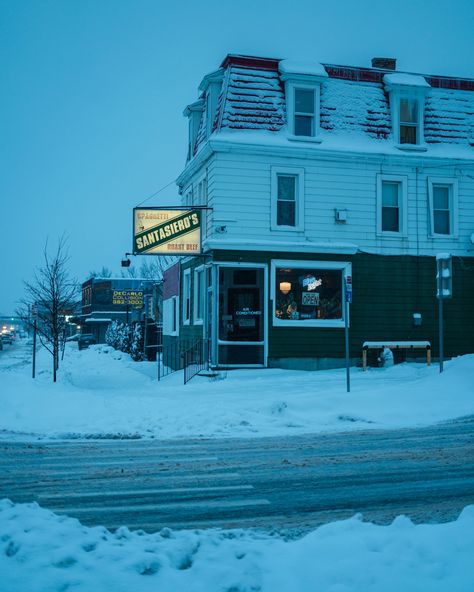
(308, 294)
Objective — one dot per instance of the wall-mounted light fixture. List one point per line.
(126, 261)
(285, 287)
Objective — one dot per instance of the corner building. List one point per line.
(313, 172)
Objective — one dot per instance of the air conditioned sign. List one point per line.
(161, 231)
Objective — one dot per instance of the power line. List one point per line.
(156, 193)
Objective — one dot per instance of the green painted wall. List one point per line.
(190, 332)
(387, 290)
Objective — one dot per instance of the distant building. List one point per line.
(314, 173)
(107, 299)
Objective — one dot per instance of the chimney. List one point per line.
(384, 63)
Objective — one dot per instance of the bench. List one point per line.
(426, 345)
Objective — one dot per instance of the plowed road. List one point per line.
(285, 483)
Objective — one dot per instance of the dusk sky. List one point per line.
(92, 94)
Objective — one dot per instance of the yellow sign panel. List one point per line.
(161, 231)
(133, 298)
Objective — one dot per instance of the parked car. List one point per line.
(85, 340)
(74, 337)
(7, 338)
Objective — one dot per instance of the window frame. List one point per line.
(290, 91)
(186, 296)
(403, 215)
(297, 172)
(452, 183)
(199, 320)
(344, 266)
(171, 316)
(413, 94)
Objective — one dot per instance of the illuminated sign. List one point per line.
(311, 283)
(133, 298)
(310, 298)
(161, 231)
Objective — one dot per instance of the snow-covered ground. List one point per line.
(101, 392)
(42, 552)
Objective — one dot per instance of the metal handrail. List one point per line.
(196, 359)
(170, 358)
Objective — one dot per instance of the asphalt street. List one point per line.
(292, 483)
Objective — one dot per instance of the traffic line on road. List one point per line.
(118, 493)
(164, 506)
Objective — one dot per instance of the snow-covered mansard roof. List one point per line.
(354, 106)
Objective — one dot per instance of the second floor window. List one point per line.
(304, 112)
(286, 200)
(443, 206)
(392, 218)
(441, 209)
(409, 121)
(391, 206)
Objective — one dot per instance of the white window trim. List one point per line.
(299, 205)
(168, 316)
(186, 273)
(414, 94)
(453, 206)
(403, 218)
(175, 319)
(344, 266)
(290, 87)
(196, 319)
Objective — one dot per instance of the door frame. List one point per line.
(215, 325)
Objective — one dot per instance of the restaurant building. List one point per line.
(312, 173)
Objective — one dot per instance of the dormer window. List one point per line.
(407, 104)
(194, 113)
(409, 121)
(302, 90)
(304, 112)
(210, 88)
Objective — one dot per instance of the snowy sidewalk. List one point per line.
(102, 393)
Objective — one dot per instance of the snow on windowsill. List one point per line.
(311, 139)
(412, 147)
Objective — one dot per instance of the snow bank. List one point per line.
(40, 552)
(101, 392)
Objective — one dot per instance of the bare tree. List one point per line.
(153, 267)
(103, 273)
(150, 269)
(52, 293)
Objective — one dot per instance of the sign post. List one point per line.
(347, 301)
(444, 281)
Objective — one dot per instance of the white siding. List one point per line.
(239, 188)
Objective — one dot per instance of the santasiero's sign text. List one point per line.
(163, 231)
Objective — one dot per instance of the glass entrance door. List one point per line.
(241, 330)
